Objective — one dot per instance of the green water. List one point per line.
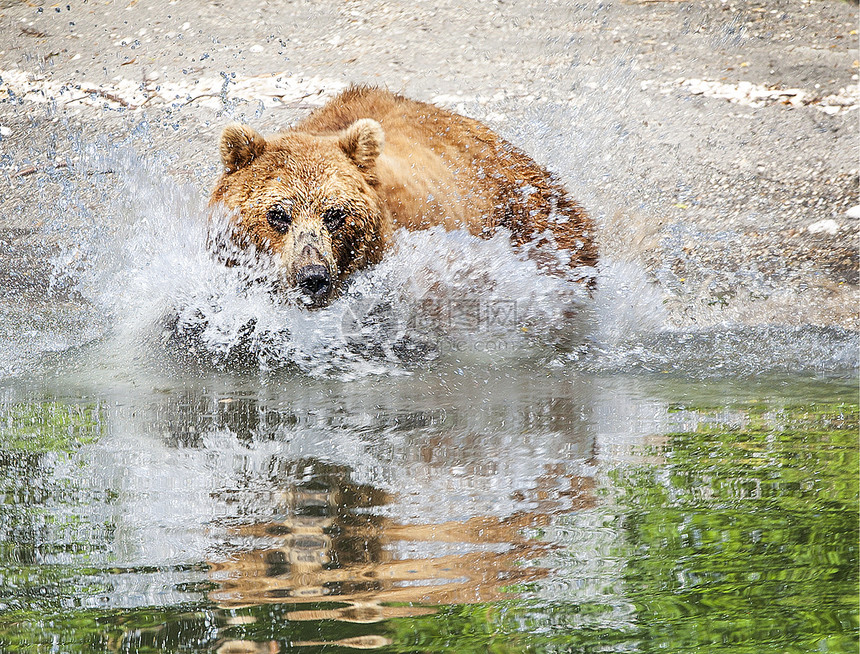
(566, 513)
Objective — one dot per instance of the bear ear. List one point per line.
(362, 142)
(240, 145)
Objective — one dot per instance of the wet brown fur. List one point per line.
(427, 167)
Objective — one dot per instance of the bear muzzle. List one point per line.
(314, 281)
(313, 272)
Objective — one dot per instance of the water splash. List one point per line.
(140, 256)
(145, 263)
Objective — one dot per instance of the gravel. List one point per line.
(715, 142)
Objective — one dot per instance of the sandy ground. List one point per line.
(715, 142)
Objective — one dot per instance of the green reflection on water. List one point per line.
(36, 437)
(746, 538)
(49, 426)
(736, 531)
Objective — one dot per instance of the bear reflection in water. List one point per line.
(308, 537)
(330, 548)
(323, 198)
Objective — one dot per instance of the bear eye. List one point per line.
(280, 216)
(333, 218)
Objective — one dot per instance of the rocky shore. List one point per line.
(716, 143)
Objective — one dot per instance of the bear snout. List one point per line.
(314, 281)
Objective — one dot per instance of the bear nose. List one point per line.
(314, 281)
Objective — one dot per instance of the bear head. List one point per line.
(307, 199)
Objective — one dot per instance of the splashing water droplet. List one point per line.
(137, 247)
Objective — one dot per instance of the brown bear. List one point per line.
(325, 196)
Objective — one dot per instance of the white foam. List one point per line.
(148, 269)
(439, 298)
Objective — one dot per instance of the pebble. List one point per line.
(853, 212)
(273, 90)
(756, 95)
(827, 226)
(5, 131)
